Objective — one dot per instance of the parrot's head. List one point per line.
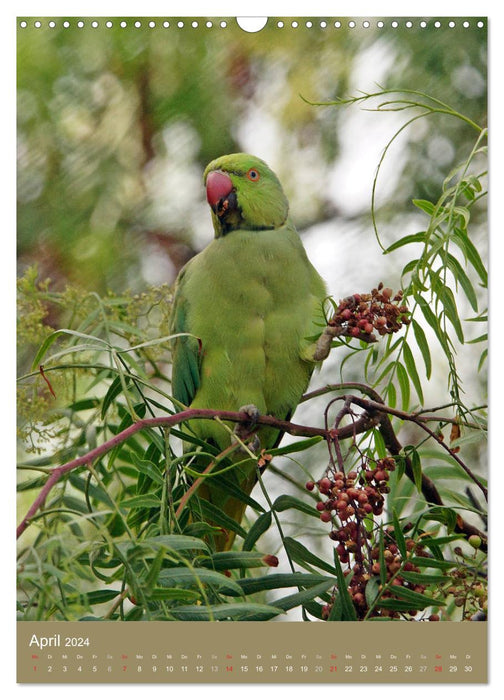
(244, 193)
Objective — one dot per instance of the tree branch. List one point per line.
(375, 413)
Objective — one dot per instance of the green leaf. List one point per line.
(423, 346)
(144, 501)
(229, 611)
(65, 331)
(406, 240)
(403, 379)
(93, 491)
(432, 563)
(298, 446)
(441, 514)
(275, 581)
(416, 465)
(424, 205)
(261, 525)
(177, 543)
(348, 613)
(113, 391)
(425, 579)
(155, 568)
(433, 322)
(372, 591)
(394, 604)
(148, 468)
(410, 363)
(450, 307)
(172, 594)
(462, 279)
(419, 600)
(301, 555)
(305, 596)
(221, 561)
(198, 577)
(471, 253)
(285, 502)
(399, 535)
(94, 597)
(216, 515)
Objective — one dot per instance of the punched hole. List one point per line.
(252, 24)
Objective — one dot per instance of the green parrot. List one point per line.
(253, 305)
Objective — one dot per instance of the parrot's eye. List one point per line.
(253, 174)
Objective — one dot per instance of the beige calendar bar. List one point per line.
(251, 652)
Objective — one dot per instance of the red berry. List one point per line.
(325, 484)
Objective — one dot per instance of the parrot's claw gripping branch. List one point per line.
(243, 432)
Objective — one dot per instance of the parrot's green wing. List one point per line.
(186, 352)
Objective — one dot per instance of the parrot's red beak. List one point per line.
(218, 189)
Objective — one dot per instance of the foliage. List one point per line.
(115, 528)
(115, 127)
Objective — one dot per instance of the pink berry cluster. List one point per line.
(346, 500)
(354, 494)
(361, 315)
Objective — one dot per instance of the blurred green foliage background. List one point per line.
(116, 124)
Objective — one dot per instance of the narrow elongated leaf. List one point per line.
(285, 502)
(146, 467)
(398, 605)
(261, 525)
(94, 597)
(298, 446)
(217, 516)
(275, 581)
(113, 391)
(410, 363)
(144, 501)
(406, 240)
(228, 611)
(432, 563)
(440, 514)
(101, 344)
(462, 278)
(403, 379)
(182, 576)
(179, 594)
(450, 307)
(301, 555)
(423, 346)
(348, 613)
(426, 206)
(221, 561)
(419, 600)
(425, 579)
(372, 591)
(292, 601)
(399, 535)
(433, 322)
(92, 490)
(471, 253)
(155, 568)
(416, 466)
(178, 543)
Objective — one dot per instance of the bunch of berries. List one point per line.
(396, 573)
(346, 500)
(354, 494)
(360, 315)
